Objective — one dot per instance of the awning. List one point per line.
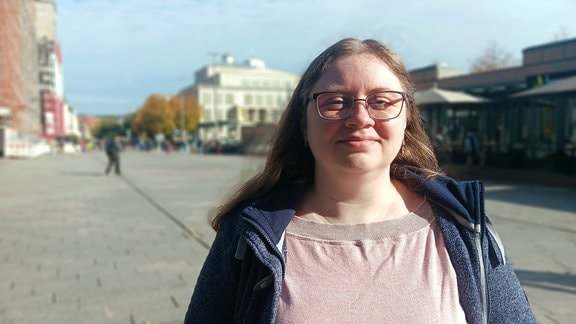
(559, 86)
(5, 111)
(435, 95)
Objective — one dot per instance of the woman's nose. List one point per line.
(359, 115)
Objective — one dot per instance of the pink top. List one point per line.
(396, 271)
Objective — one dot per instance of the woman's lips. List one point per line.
(358, 140)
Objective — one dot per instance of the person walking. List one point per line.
(473, 150)
(112, 149)
(352, 220)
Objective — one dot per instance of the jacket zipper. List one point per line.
(483, 296)
(476, 229)
(268, 279)
(478, 240)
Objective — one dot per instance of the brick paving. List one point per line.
(80, 247)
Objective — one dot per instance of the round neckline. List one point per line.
(413, 221)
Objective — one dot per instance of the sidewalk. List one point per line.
(80, 247)
(514, 176)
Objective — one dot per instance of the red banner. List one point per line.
(53, 116)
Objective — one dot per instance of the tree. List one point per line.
(562, 34)
(107, 127)
(155, 117)
(163, 115)
(191, 112)
(493, 58)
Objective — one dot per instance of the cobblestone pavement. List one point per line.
(80, 247)
(77, 246)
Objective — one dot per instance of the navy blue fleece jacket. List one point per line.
(241, 279)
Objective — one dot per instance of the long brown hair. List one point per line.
(290, 161)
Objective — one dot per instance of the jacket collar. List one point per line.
(462, 199)
(273, 212)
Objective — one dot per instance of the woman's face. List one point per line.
(359, 143)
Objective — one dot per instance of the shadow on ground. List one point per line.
(539, 188)
(559, 282)
(548, 199)
(84, 174)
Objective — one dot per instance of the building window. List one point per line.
(206, 98)
(247, 99)
(571, 121)
(263, 114)
(269, 100)
(229, 98)
(259, 99)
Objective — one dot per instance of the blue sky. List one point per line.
(118, 52)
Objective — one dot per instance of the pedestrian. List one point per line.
(473, 150)
(440, 146)
(112, 149)
(351, 220)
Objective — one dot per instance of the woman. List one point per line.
(351, 219)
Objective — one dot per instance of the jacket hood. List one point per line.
(273, 212)
(463, 198)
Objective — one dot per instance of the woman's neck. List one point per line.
(356, 199)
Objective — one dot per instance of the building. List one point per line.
(19, 94)
(86, 125)
(237, 97)
(57, 118)
(31, 83)
(516, 129)
(540, 64)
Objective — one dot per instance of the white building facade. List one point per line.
(235, 96)
(58, 119)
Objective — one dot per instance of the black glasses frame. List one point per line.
(401, 93)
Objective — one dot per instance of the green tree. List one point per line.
(128, 120)
(107, 127)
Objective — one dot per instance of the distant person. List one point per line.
(440, 146)
(473, 150)
(112, 148)
(351, 220)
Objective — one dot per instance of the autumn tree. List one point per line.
(156, 116)
(165, 115)
(186, 112)
(494, 57)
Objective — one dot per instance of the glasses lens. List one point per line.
(384, 105)
(334, 105)
(381, 105)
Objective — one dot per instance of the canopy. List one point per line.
(4, 111)
(564, 85)
(440, 96)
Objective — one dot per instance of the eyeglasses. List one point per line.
(383, 105)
